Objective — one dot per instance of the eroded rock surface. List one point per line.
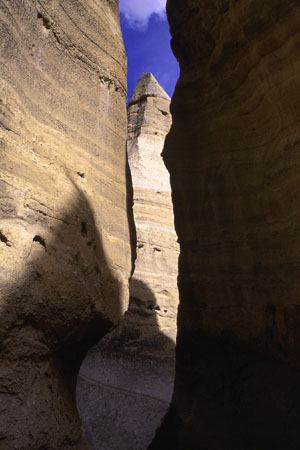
(233, 155)
(156, 265)
(126, 381)
(64, 234)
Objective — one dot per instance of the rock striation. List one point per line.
(156, 265)
(65, 228)
(125, 383)
(233, 155)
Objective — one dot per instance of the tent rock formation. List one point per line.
(125, 383)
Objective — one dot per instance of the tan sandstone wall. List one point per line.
(65, 250)
(154, 281)
(233, 155)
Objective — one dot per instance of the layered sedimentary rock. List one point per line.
(156, 265)
(125, 383)
(64, 235)
(233, 155)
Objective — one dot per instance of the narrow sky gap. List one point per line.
(147, 41)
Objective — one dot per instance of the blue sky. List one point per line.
(147, 41)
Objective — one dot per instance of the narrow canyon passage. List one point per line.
(66, 230)
(126, 381)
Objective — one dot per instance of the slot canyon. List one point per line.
(88, 255)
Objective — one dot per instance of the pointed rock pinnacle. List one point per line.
(147, 86)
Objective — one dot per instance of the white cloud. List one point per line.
(138, 12)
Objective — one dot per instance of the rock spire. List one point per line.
(132, 368)
(149, 120)
(147, 86)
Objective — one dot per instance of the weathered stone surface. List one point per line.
(156, 265)
(125, 383)
(64, 235)
(233, 155)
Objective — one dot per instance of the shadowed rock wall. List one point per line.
(64, 235)
(233, 155)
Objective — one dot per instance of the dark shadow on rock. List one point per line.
(231, 394)
(65, 301)
(126, 381)
(242, 395)
(130, 216)
(166, 436)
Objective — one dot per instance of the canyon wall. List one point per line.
(233, 155)
(126, 381)
(65, 244)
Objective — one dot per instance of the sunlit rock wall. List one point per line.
(126, 381)
(233, 155)
(156, 265)
(64, 236)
